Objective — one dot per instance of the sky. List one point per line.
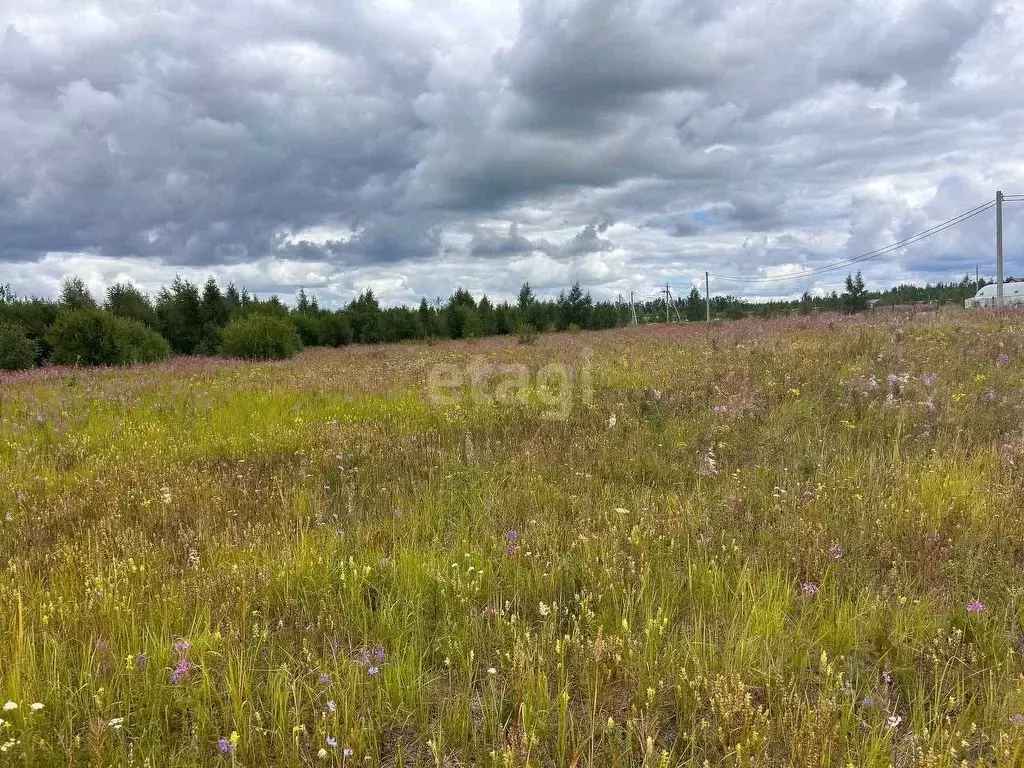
(412, 148)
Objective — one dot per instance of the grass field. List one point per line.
(761, 544)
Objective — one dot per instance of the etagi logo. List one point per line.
(556, 386)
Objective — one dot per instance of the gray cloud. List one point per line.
(310, 142)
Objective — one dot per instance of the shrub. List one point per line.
(93, 337)
(17, 350)
(527, 333)
(310, 329)
(260, 337)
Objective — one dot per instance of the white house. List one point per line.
(1013, 293)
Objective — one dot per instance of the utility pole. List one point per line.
(666, 304)
(999, 249)
(707, 298)
(632, 307)
(977, 278)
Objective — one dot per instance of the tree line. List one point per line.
(187, 319)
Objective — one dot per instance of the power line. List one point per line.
(871, 254)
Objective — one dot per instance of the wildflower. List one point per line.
(181, 671)
(378, 653)
(140, 660)
(347, 752)
(809, 588)
(975, 607)
(886, 677)
(322, 754)
(1017, 719)
(544, 609)
(331, 741)
(116, 723)
(36, 706)
(930, 379)
(225, 746)
(866, 702)
(492, 671)
(721, 410)
(990, 395)
(611, 420)
(10, 706)
(325, 679)
(234, 738)
(1002, 360)
(835, 550)
(181, 647)
(331, 706)
(512, 537)
(373, 671)
(893, 720)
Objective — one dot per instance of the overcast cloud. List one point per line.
(414, 147)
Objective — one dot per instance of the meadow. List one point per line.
(765, 543)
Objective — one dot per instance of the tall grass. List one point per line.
(765, 544)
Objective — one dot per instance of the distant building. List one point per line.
(1013, 293)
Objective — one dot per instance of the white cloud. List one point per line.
(417, 147)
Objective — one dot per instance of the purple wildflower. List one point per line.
(378, 653)
(225, 746)
(399, 513)
(512, 537)
(892, 378)
(181, 671)
(331, 741)
(511, 550)
(1017, 719)
(181, 647)
(373, 671)
(930, 379)
(721, 410)
(887, 677)
(809, 588)
(325, 679)
(1002, 360)
(866, 702)
(975, 607)
(140, 660)
(835, 550)
(347, 752)
(990, 395)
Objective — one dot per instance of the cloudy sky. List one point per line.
(413, 147)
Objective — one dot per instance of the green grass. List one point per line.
(762, 559)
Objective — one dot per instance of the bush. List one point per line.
(527, 333)
(17, 350)
(260, 337)
(310, 329)
(93, 337)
